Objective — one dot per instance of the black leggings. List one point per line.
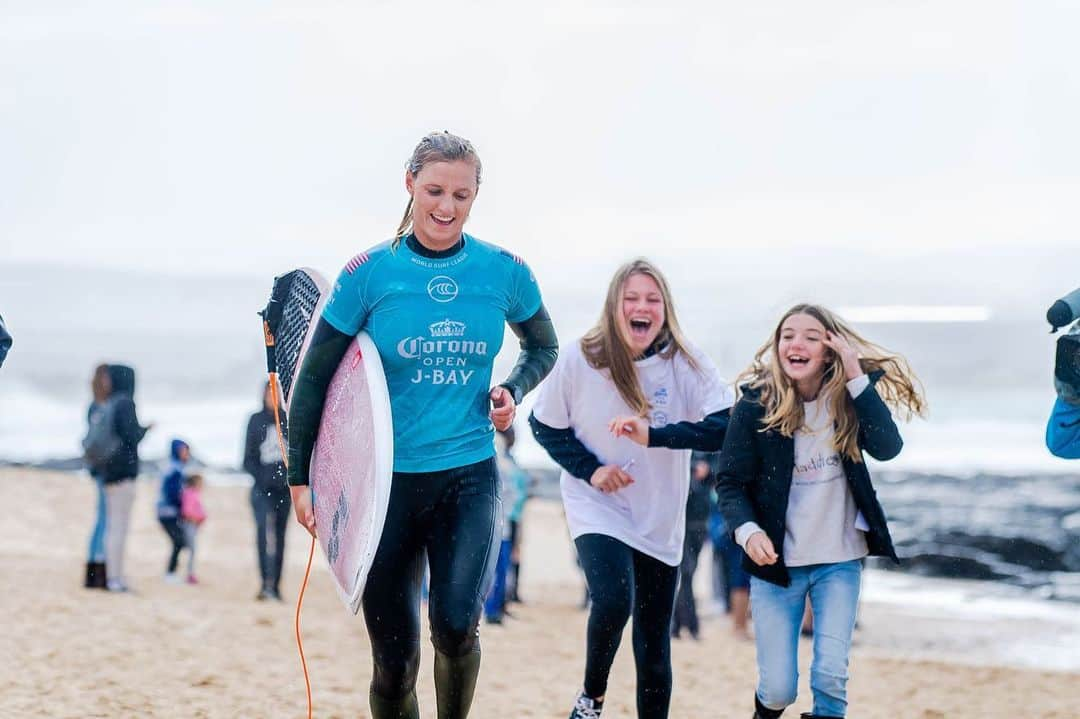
(172, 527)
(452, 515)
(623, 581)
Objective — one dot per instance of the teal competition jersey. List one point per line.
(438, 325)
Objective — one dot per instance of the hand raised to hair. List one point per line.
(849, 356)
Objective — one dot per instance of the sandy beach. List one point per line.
(212, 651)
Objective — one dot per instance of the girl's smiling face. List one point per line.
(642, 315)
(801, 350)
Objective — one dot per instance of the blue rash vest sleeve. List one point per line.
(525, 292)
(348, 306)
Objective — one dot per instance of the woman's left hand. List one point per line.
(503, 408)
(635, 428)
(849, 356)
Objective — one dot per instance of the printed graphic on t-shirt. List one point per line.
(818, 469)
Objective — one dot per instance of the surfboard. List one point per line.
(352, 462)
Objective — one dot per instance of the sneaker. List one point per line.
(173, 578)
(192, 579)
(116, 585)
(586, 708)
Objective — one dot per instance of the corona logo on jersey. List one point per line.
(442, 289)
(442, 360)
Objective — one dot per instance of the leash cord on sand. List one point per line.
(311, 552)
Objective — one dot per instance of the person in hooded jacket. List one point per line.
(101, 388)
(270, 499)
(168, 504)
(119, 472)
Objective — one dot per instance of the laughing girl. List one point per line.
(794, 485)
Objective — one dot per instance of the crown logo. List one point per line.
(447, 328)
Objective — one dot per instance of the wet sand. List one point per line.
(211, 650)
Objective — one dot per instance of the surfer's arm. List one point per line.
(539, 350)
(565, 448)
(328, 346)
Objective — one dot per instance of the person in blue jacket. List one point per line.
(435, 301)
(1063, 428)
(168, 504)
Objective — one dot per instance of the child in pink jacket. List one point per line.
(193, 514)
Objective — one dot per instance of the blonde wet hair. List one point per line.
(435, 147)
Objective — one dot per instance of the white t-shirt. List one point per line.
(822, 524)
(650, 514)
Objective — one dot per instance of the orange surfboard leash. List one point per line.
(269, 337)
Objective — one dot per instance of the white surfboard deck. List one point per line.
(352, 462)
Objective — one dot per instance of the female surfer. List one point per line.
(633, 376)
(434, 300)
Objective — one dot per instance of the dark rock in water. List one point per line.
(936, 565)
(1022, 530)
(1014, 550)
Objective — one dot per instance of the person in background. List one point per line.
(270, 500)
(101, 388)
(495, 604)
(192, 515)
(1063, 427)
(169, 503)
(521, 482)
(697, 517)
(5, 341)
(1063, 430)
(119, 472)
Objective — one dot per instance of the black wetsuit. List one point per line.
(449, 515)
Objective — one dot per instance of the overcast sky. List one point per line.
(243, 137)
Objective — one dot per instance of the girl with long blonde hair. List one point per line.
(794, 485)
(617, 403)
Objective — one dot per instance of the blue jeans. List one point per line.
(778, 611)
(96, 551)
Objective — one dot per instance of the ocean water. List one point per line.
(197, 346)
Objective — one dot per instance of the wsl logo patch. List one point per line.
(442, 289)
